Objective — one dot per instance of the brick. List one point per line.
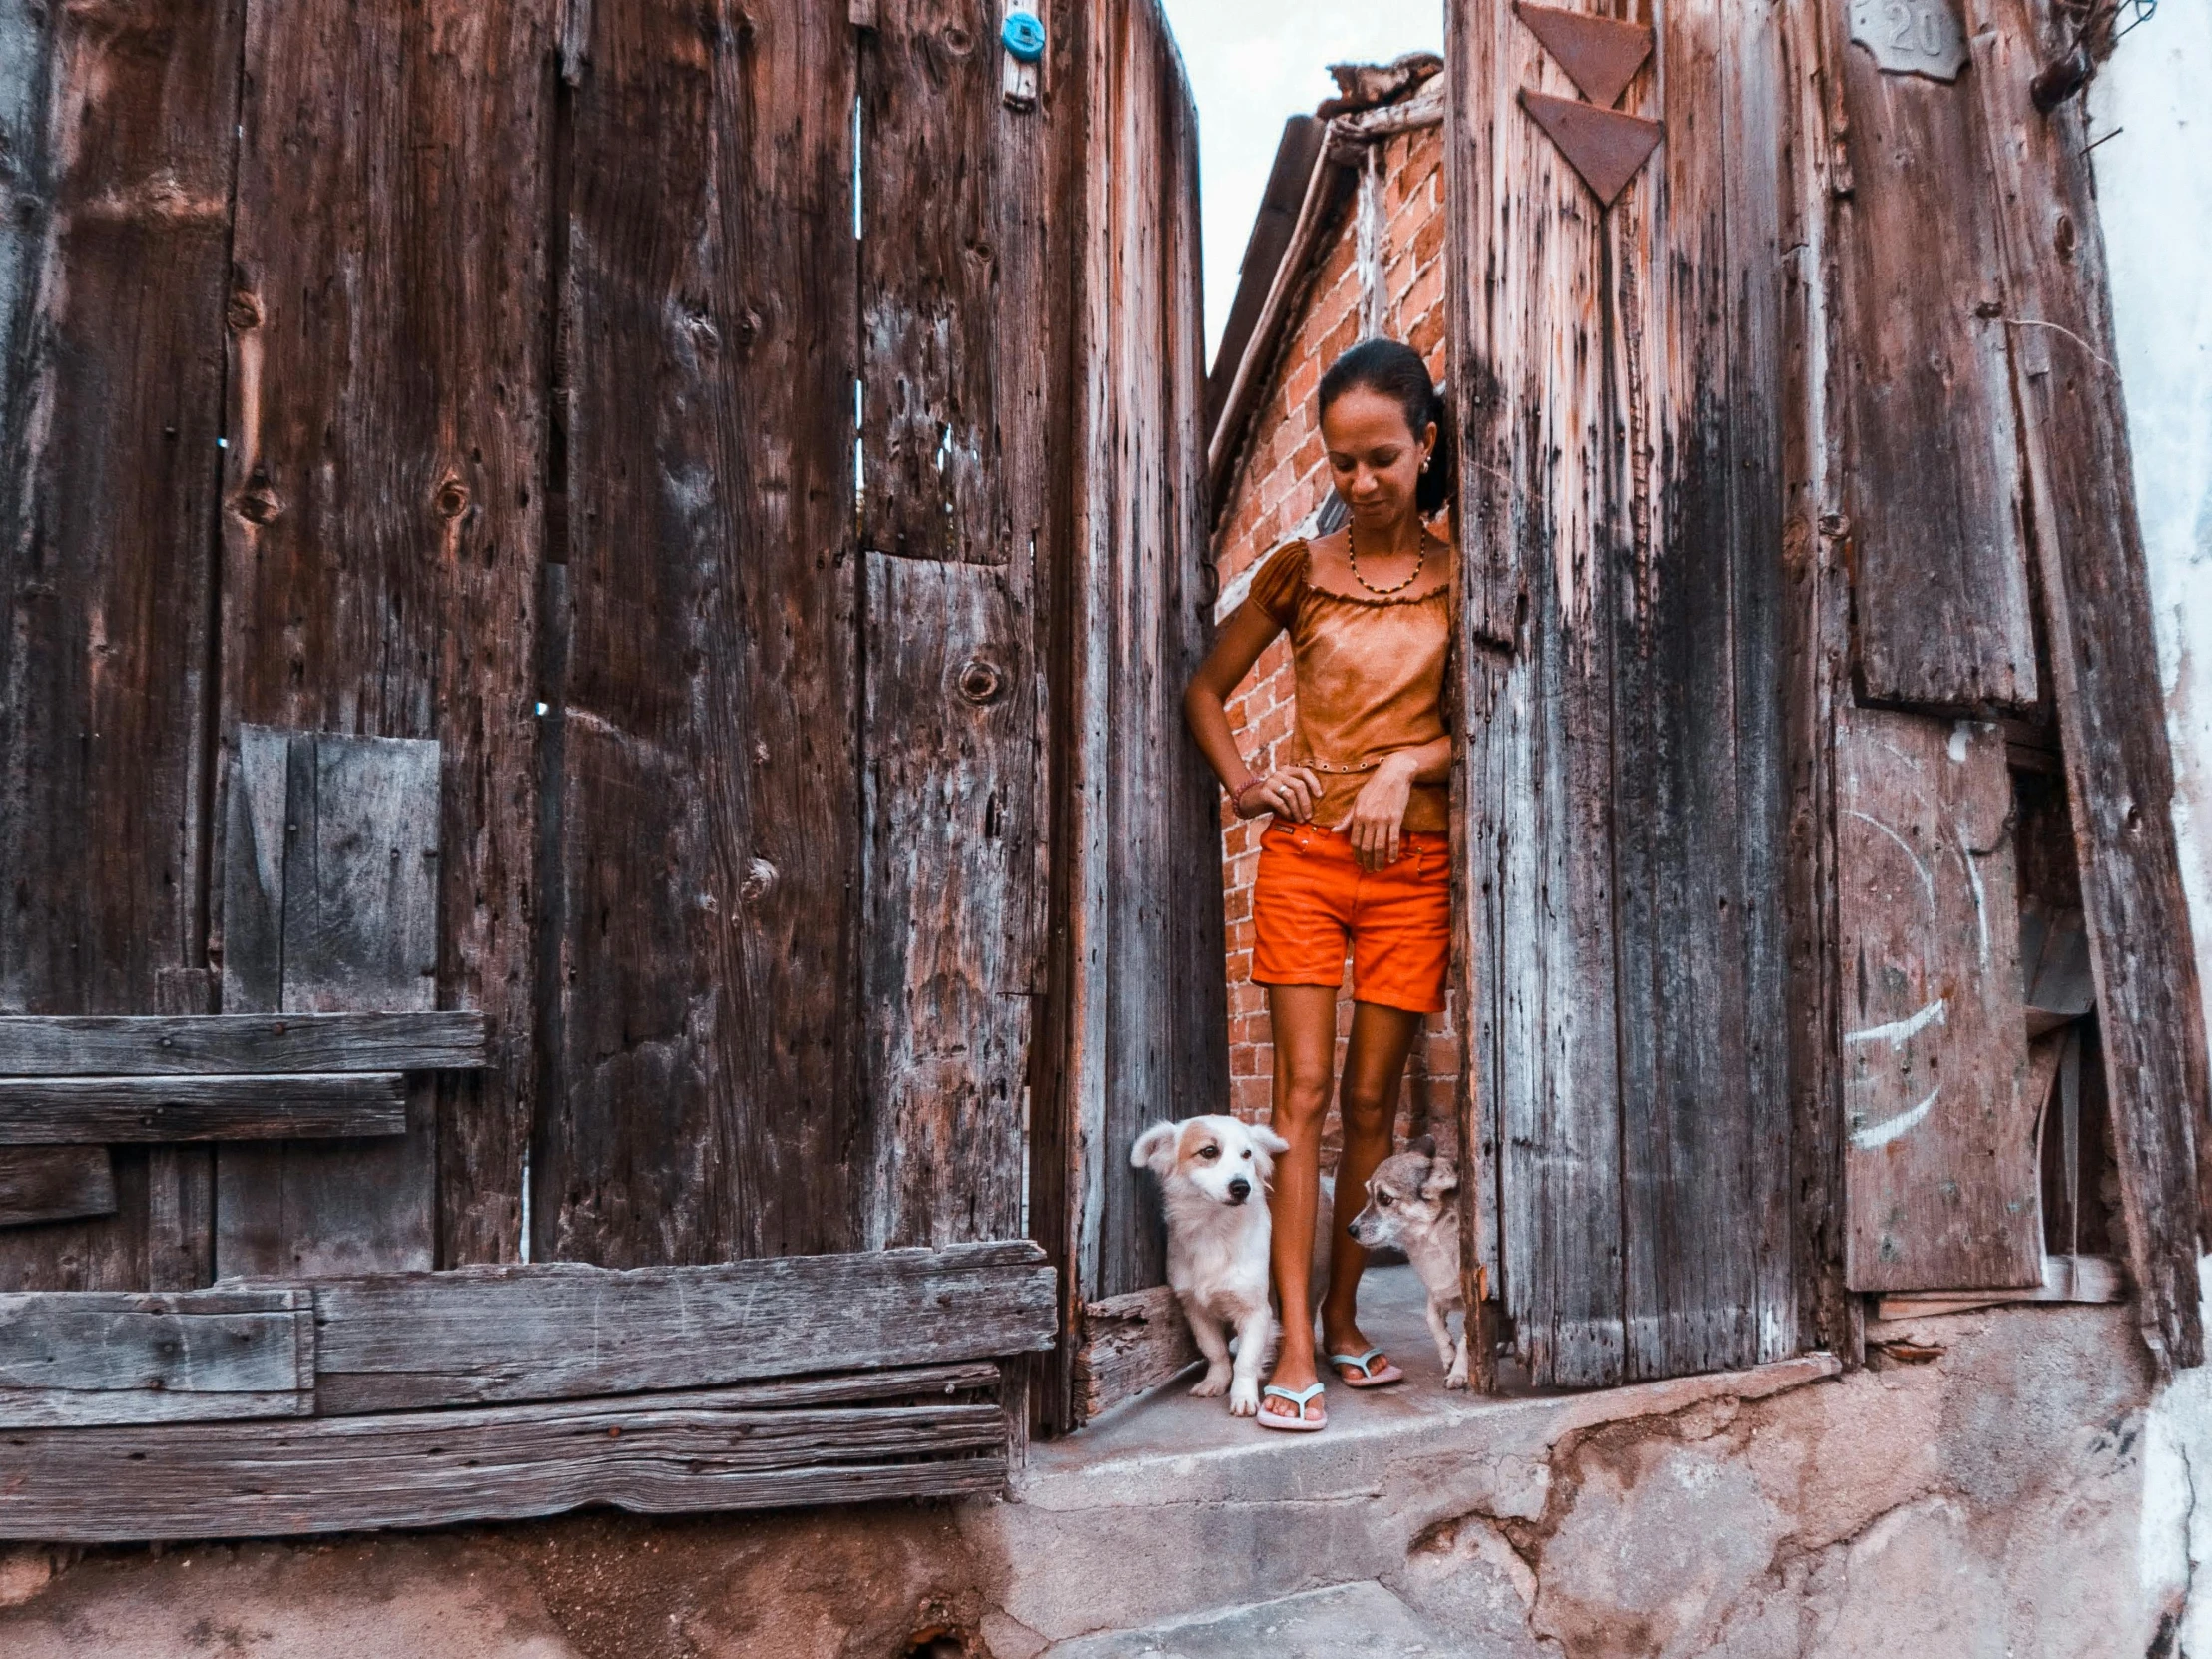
(1427, 335)
(1243, 1062)
(1248, 1098)
(1310, 456)
(1430, 291)
(1275, 724)
(1340, 339)
(1428, 240)
(1240, 935)
(1246, 998)
(1237, 907)
(1300, 384)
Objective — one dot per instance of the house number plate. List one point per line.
(1911, 37)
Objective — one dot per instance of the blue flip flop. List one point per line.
(1361, 1361)
(1300, 1398)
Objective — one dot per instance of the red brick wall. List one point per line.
(1280, 479)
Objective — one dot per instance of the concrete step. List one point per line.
(1344, 1621)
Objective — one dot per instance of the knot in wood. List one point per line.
(452, 498)
(958, 40)
(759, 880)
(980, 681)
(244, 312)
(2062, 236)
(258, 503)
(703, 333)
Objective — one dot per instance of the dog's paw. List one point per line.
(1211, 1384)
(1456, 1377)
(1244, 1400)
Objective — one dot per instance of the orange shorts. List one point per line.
(1311, 899)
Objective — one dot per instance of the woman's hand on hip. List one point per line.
(1378, 821)
(1289, 792)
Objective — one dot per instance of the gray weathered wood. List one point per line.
(117, 145)
(356, 894)
(657, 1454)
(1629, 922)
(559, 1330)
(1940, 599)
(55, 1183)
(949, 732)
(1940, 1169)
(2111, 714)
(39, 1111)
(77, 1357)
(2065, 1278)
(1131, 1344)
(99, 1046)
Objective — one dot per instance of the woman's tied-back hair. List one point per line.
(1391, 369)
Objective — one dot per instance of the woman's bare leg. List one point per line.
(1374, 1066)
(1303, 1022)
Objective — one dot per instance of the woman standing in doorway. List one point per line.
(1356, 855)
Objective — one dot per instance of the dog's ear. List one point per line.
(1267, 1140)
(1443, 1177)
(1155, 1149)
(1426, 1145)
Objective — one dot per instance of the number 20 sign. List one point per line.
(1911, 37)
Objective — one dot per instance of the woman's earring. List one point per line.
(1424, 461)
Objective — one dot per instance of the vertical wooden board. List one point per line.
(949, 733)
(359, 932)
(2111, 717)
(1940, 1167)
(1530, 359)
(1940, 599)
(383, 505)
(1144, 835)
(116, 153)
(1697, 751)
(931, 124)
(704, 1054)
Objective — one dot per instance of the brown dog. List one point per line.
(1410, 1204)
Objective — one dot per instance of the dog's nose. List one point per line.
(1240, 1190)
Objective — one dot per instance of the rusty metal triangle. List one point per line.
(1601, 56)
(1605, 146)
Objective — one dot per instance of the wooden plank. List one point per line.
(658, 1454)
(1540, 913)
(55, 1183)
(359, 928)
(40, 1111)
(950, 738)
(180, 1179)
(151, 1044)
(1131, 1345)
(1816, 644)
(1631, 934)
(930, 117)
(1940, 1171)
(2065, 1278)
(1940, 599)
(118, 127)
(704, 1044)
(1147, 1027)
(78, 1358)
(2111, 713)
(382, 547)
(1698, 806)
(555, 1330)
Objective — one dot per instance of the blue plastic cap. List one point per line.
(1023, 36)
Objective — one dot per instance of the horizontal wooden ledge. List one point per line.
(44, 1111)
(97, 1045)
(655, 1455)
(553, 1330)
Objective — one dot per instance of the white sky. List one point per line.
(1253, 63)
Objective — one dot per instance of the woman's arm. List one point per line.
(1289, 790)
(1378, 817)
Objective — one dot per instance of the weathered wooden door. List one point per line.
(1629, 888)
(613, 551)
(1774, 342)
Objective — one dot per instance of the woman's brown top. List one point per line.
(1370, 678)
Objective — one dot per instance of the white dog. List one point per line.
(1214, 1173)
(1409, 1204)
